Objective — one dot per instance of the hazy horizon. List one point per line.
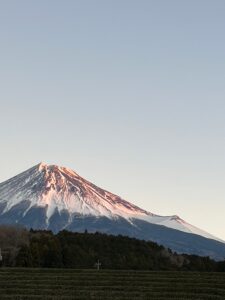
(129, 94)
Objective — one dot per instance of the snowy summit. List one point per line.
(52, 190)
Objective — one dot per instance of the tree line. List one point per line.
(44, 249)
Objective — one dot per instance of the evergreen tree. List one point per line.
(24, 257)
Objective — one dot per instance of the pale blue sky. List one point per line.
(130, 94)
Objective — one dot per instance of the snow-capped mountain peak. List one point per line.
(59, 190)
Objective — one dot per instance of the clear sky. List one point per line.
(129, 94)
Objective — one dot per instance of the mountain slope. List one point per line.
(53, 197)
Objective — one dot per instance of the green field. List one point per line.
(90, 284)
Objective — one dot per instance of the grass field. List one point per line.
(90, 284)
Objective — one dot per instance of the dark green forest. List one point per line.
(43, 249)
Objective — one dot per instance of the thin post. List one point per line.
(98, 264)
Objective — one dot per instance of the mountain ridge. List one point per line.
(53, 197)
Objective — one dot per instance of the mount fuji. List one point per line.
(56, 198)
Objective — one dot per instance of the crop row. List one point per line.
(49, 284)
